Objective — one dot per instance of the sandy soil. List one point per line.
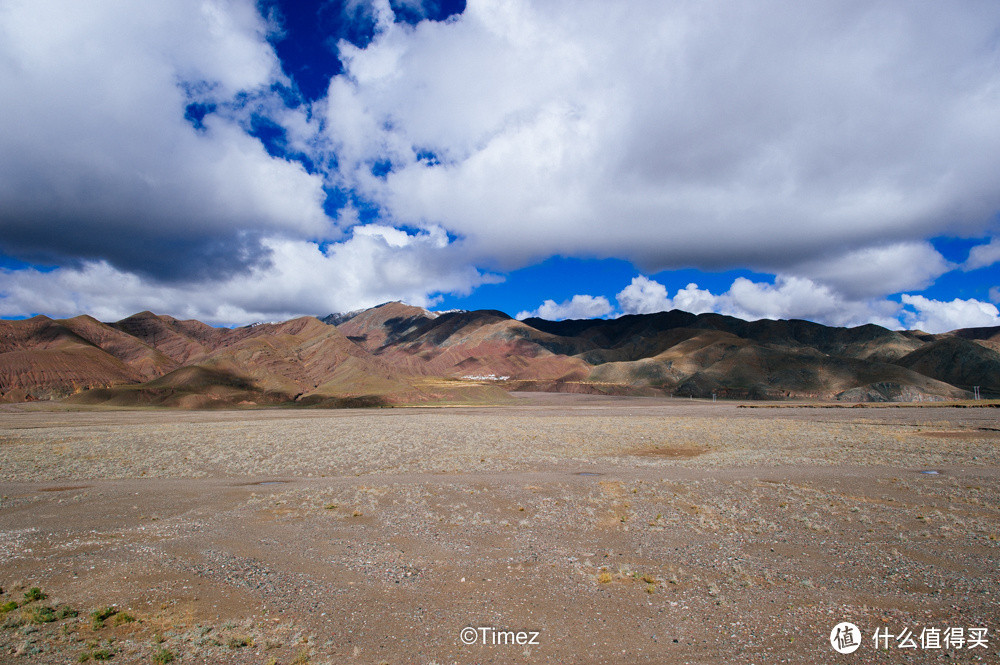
(623, 530)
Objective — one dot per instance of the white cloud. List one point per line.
(644, 296)
(982, 256)
(787, 298)
(679, 134)
(819, 142)
(97, 160)
(995, 295)
(879, 270)
(935, 316)
(578, 307)
(374, 265)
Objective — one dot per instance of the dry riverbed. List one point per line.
(602, 530)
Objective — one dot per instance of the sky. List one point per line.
(237, 161)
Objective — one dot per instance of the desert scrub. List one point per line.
(239, 641)
(95, 654)
(14, 621)
(302, 657)
(162, 656)
(8, 607)
(65, 612)
(98, 617)
(33, 594)
(40, 615)
(604, 577)
(123, 618)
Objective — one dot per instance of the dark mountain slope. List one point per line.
(957, 361)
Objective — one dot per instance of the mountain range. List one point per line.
(399, 354)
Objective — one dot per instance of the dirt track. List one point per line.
(621, 530)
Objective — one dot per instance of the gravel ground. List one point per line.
(620, 530)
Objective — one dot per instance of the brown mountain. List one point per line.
(396, 353)
(383, 324)
(957, 361)
(700, 355)
(41, 357)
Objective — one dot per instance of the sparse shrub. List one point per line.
(65, 612)
(41, 615)
(15, 621)
(33, 594)
(604, 577)
(123, 617)
(239, 641)
(98, 617)
(96, 654)
(162, 656)
(8, 607)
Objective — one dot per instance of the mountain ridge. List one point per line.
(396, 353)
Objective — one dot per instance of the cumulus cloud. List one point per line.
(374, 265)
(935, 316)
(786, 298)
(97, 160)
(647, 296)
(880, 270)
(819, 142)
(675, 134)
(578, 307)
(982, 256)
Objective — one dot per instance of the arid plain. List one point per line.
(620, 530)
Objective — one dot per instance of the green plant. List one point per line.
(239, 641)
(123, 617)
(96, 654)
(161, 656)
(66, 612)
(8, 607)
(98, 617)
(41, 615)
(34, 593)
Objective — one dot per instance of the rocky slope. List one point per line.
(398, 353)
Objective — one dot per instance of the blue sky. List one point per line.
(235, 161)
